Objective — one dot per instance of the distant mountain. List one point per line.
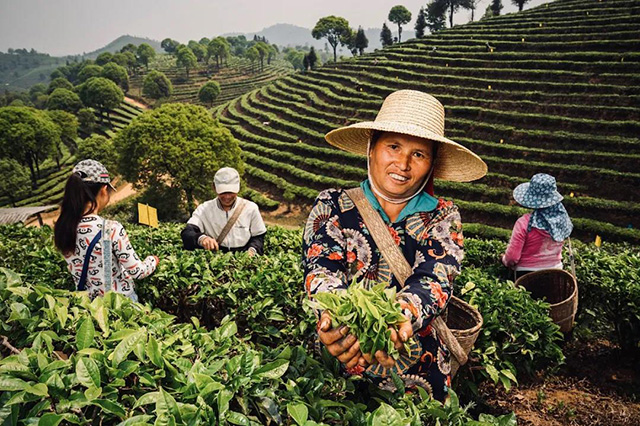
(122, 41)
(287, 35)
(22, 69)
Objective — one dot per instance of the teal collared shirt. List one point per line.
(422, 202)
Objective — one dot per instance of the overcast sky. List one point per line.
(62, 27)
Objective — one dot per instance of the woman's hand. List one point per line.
(398, 337)
(345, 347)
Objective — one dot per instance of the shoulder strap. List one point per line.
(398, 264)
(106, 254)
(380, 233)
(232, 220)
(82, 284)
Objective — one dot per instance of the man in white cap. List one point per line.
(228, 222)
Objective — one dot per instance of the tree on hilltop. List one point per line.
(145, 53)
(129, 47)
(209, 92)
(386, 38)
(333, 28)
(59, 83)
(68, 126)
(156, 86)
(170, 46)
(452, 6)
(436, 15)
(89, 71)
(253, 55)
(421, 23)
(29, 136)
(362, 42)
(64, 100)
(349, 41)
(117, 74)
(220, 49)
(519, 3)
(473, 4)
(312, 58)
(101, 94)
(104, 58)
(186, 59)
(263, 51)
(399, 15)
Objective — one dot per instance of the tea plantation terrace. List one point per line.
(554, 89)
(237, 77)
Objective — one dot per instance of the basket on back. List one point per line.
(558, 288)
(465, 323)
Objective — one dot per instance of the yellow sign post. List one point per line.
(147, 215)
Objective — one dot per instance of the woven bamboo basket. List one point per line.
(558, 288)
(465, 323)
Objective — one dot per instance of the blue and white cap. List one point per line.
(539, 193)
(227, 179)
(93, 171)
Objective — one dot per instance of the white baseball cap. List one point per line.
(227, 179)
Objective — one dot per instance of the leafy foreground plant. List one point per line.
(369, 314)
(69, 360)
(517, 338)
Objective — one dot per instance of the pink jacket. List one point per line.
(532, 251)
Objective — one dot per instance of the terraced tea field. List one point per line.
(554, 89)
(237, 78)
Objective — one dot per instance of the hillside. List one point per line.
(553, 89)
(236, 78)
(122, 41)
(21, 69)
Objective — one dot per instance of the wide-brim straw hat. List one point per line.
(414, 113)
(539, 193)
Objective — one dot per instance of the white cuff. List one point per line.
(200, 238)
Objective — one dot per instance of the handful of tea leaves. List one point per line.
(367, 313)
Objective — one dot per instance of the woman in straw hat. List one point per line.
(406, 149)
(537, 237)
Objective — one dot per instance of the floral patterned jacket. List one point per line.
(338, 248)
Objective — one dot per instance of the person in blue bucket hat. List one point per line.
(538, 237)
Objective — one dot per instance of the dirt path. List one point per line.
(124, 191)
(136, 103)
(598, 385)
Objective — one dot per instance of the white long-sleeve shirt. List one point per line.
(210, 217)
(125, 264)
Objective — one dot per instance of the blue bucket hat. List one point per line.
(539, 193)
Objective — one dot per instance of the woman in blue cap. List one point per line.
(537, 237)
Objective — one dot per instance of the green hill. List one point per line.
(21, 69)
(236, 78)
(554, 89)
(122, 41)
